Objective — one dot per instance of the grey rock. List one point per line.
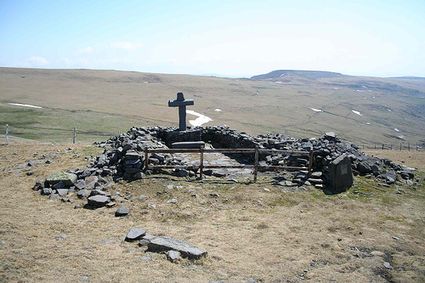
(387, 265)
(364, 167)
(98, 201)
(122, 211)
(315, 180)
(316, 174)
(135, 234)
(91, 182)
(80, 184)
(162, 243)
(83, 193)
(62, 192)
(339, 175)
(68, 179)
(46, 191)
(173, 256)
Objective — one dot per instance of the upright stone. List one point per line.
(181, 103)
(340, 175)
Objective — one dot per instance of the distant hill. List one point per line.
(278, 74)
(365, 110)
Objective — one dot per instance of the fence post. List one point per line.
(201, 163)
(382, 146)
(400, 146)
(408, 146)
(310, 163)
(7, 133)
(256, 164)
(146, 158)
(74, 135)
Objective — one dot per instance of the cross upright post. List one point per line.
(181, 103)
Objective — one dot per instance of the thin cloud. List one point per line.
(38, 61)
(86, 50)
(126, 45)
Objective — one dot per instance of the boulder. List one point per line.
(364, 167)
(162, 243)
(339, 175)
(68, 179)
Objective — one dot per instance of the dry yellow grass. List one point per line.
(249, 232)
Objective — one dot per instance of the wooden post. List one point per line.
(201, 163)
(146, 158)
(7, 133)
(382, 146)
(310, 163)
(400, 146)
(256, 157)
(408, 146)
(74, 135)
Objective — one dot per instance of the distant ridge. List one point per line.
(277, 74)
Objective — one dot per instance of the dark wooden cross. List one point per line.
(181, 103)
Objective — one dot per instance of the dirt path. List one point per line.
(251, 232)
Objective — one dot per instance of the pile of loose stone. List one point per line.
(123, 158)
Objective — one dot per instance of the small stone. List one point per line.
(110, 204)
(387, 265)
(172, 201)
(46, 191)
(62, 192)
(83, 193)
(135, 234)
(122, 211)
(173, 256)
(316, 174)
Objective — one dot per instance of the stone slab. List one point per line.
(162, 243)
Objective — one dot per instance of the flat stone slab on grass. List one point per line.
(98, 201)
(161, 243)
(135, 234)
(68, 179)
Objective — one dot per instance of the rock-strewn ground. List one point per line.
(251, 232)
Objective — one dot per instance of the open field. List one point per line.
(361, 109)
(251, 231)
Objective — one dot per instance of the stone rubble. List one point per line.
(123, 159)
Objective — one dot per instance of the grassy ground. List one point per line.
(249, 230)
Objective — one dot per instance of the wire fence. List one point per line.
(73, 134)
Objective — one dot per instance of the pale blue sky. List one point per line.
(232, 38)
